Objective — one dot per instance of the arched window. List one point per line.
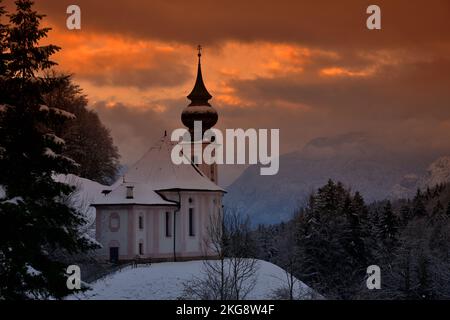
(141, 248)
(141, 222)
(114, 222)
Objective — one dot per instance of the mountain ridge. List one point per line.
(354, 159)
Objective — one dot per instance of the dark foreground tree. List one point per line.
(87, 140)
(448, 210)
(37, 228)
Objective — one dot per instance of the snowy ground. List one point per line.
(164, 281)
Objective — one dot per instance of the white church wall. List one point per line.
(140, 232)
(113, 231)
(118, 226)
(166, 242)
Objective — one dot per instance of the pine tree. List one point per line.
(425, 283)
(419, 209)
(438, 210)
(356, 219)
(388, 229)
(405, 214)
(88, 141)
(327, 234)
(38, 230)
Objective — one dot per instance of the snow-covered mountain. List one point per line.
(354, 159)
(438, 172)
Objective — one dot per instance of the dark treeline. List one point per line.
(86, 140)
(45, 130)
(331, 242)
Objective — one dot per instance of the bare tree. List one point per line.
(232, 274)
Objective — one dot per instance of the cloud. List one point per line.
(311, 69)
(134, 129)
(318, 23)
(116, 61)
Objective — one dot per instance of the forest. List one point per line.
(330, 243)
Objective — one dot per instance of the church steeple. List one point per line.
(199, 95)
(199, 109)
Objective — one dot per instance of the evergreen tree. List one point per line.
(356, 214)
(388, 228)
(438, 210)
(38, 230)
(425, 284)
(419, 209)
(327, 247)
(405, 214)
(88, 141)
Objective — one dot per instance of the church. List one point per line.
(159, 210)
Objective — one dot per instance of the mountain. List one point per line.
(354, 159)
(438, 172)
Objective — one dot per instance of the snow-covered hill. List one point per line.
(86, 191)
(164, 281)
(354, 159)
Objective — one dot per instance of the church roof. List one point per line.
(142, 195)
(156, 172)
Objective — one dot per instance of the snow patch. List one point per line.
(32, 271)
(50, 153)
(44, 108)
(14, 200)
(86, 192)
(55, 139)
(63, 113)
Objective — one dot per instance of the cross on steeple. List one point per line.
(199, 48)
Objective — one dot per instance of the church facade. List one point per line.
(160, 210)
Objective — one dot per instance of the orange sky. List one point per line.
(310, 68)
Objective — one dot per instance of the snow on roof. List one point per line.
(142, 195)
(157, 169)
(155, 172)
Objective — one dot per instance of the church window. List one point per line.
(191, 222)
(130, 192)
(141, 222)
(114, 222)
(168, 225)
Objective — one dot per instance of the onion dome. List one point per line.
(199, 109)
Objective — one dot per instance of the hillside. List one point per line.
(164, 281)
